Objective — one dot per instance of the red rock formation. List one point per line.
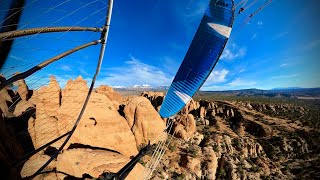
(155, 98)
(77, 162)
(4, 98)
(34, 163)
(101, 123)
(109, 92)
(144, 121)
(22, 107)
(190, 106)
(23, 89)
(185, 126)
(48, 97)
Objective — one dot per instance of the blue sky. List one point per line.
(148, 39)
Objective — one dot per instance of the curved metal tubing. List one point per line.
(44, 64)
(26, 32)
(104, 36)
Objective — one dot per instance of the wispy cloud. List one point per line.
(16, 57)
(240, 82)
(280, 35)
(214, 88)
(65, 68)
(260, 23)
(284, 76)
(233, 51)
(242, 70)
(284, 65)
(216, 76)
(135, 72)
(254, 36)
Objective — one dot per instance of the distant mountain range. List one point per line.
(289, 88)
(144, 87)
(289, 92)
(292, 92)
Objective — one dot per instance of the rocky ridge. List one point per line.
(237, 140)
(109, 133)
(212, 139)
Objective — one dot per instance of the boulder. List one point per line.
(251, 149)
(4, 107)
(210, 164)
(31, 130)
(270, 107)
(23, 89)
(263, 166)
(75, 91)
(4, 98)
(4, 95)
(144, 121)
(191, 107)
(226, 112)
(44, 128)
(34, 163)
(231, 113)
(77, 162)
(203, 112)
(156, 98)
(228, 144)
(101, 123)
(248, 106)
(197, 139)
(22, 107)
(109, 92)
(185, 126)
(241, 130)
(49, 97)
(192, 164)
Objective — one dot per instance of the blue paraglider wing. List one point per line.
(202, 55)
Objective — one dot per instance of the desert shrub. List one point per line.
(206, 131)
(178, 176)
(172, 147)
(222, 174)
(241, 171)
(192, 151)
(255, 168)
(286, 167)
(215, 148)
(236, 143)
